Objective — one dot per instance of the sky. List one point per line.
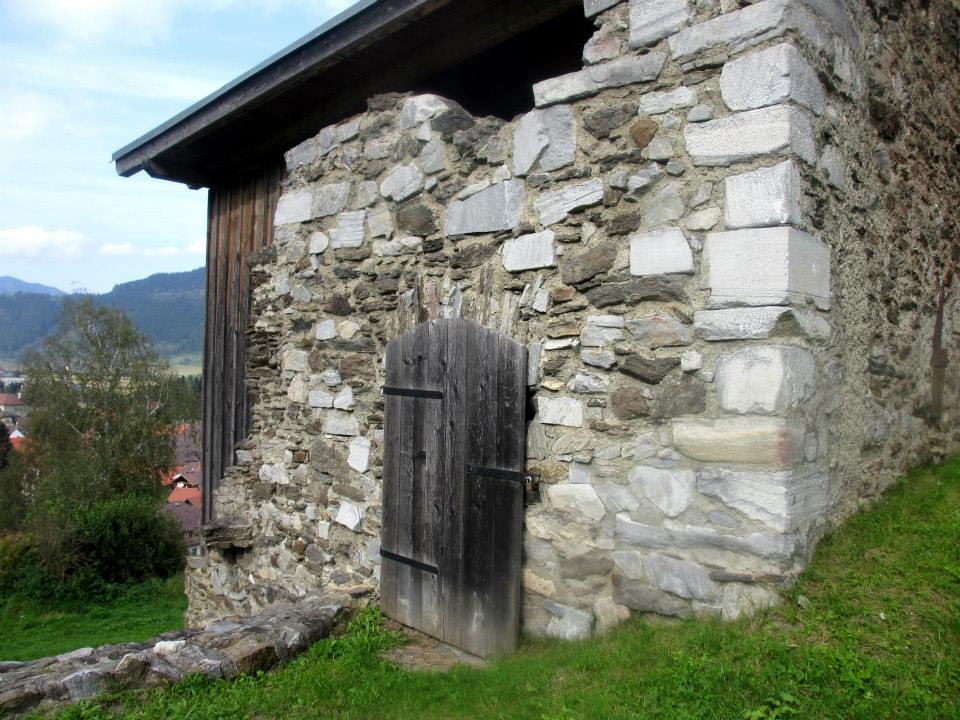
(80, 79)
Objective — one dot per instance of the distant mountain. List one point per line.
(166, 307)
(11, 285)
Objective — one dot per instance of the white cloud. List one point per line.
(117, 250)
(32, 241)
(198, 246)
(167, 251)
(25, 115)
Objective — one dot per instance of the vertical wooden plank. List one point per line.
(391, 479)
(207, 474)
(453, 495)
(430, 480)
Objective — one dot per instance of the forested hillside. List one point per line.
(166, 307)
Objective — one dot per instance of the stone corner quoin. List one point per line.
(656, 229)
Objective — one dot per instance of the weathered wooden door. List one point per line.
(454, 441)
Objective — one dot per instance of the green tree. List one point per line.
(99, 430)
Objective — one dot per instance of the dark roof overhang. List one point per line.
(373, 47)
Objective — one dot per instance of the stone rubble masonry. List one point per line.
(223, 649)
(766, 266)
(665, 232)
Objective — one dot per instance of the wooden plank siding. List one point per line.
(239, 222)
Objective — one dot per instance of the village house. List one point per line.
(545, 313)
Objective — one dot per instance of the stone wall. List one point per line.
(686, 234)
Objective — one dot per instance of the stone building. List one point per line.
(725, 232)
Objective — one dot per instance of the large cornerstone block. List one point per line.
(769, 77)
(769, 441)
(765, 379)
(768, 196)
(766, 266)
(593, 79)
(777, 130)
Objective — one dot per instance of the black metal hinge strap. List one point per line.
(409, 561)
(413, 392)
(513, 475)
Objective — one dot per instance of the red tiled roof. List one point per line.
(8, 399)
(17, 442)
(187, 515)
(186, 495)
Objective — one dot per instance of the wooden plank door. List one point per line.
(454, 440)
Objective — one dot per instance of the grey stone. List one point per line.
(700, 113)
(679, 396)
(654, 287)
(341, 423)
(655, 103)
(777, 130)
(420, 108)
(594, 78)
(768, 196)
(555, 205)
(319, 242)
(766, 266)
(560, 411)
(294, 207)
(649, 369)
(639, 183)
(330, 199)
(663, 208)
(601, 122)
(528, 252)
(350, 230)
(598, 358)
(659, 149)
(402, 182)
(831, 165)
(652, 20)
(350, 516)
(544, 140)
(603, 45)
(627, 403)
(679, 577)
(670, 490)
(497, 208)
(401, 245)
(750, 25)
(784, 501)
(300, 155)
(579, 501)
(572, 624)
(580, 567)
(705, 219)
(641, 597)
(85, 684)
(660, 252)
(655, 331)
(765, 380)
(588, 382)
(769, 441)
(771, 76)
(432, 157)
(602, 330)
(594, 7)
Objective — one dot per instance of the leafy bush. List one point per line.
(127, 539)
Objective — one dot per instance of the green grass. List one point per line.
(879, 638)
(27, 633)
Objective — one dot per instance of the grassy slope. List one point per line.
(879, 638)
(27, 633)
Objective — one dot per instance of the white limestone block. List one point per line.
(432, 158)
(660, 252)
(358, 456)
(294, 207)
(296, 361)
(349, 232)
(661, 330)
(402, 182)
(765, 380)
(553, 206)
(656, 103)
(420, 108)
(326, 330)
(400, 245)
(560, 411)
(767, 19)
(759, 323)
(766, 266)
(588, 382)
(545, 140)
(777, 130)
(652, 20)
(380, 222)
(691, 361)
(602, 330)
(491, 210)
(580, 501)
(597, 358)
(529, 251)
(570, 624)
(341, 423)
(297, 390)
(770, 441)
(349, 515)
(319, 242)
(784, 501)
(670, 490)
(344, 398)
(330, 199)
(664, 208)
(320, 399)
(768, 196)
(594, 78)
(769, 77)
